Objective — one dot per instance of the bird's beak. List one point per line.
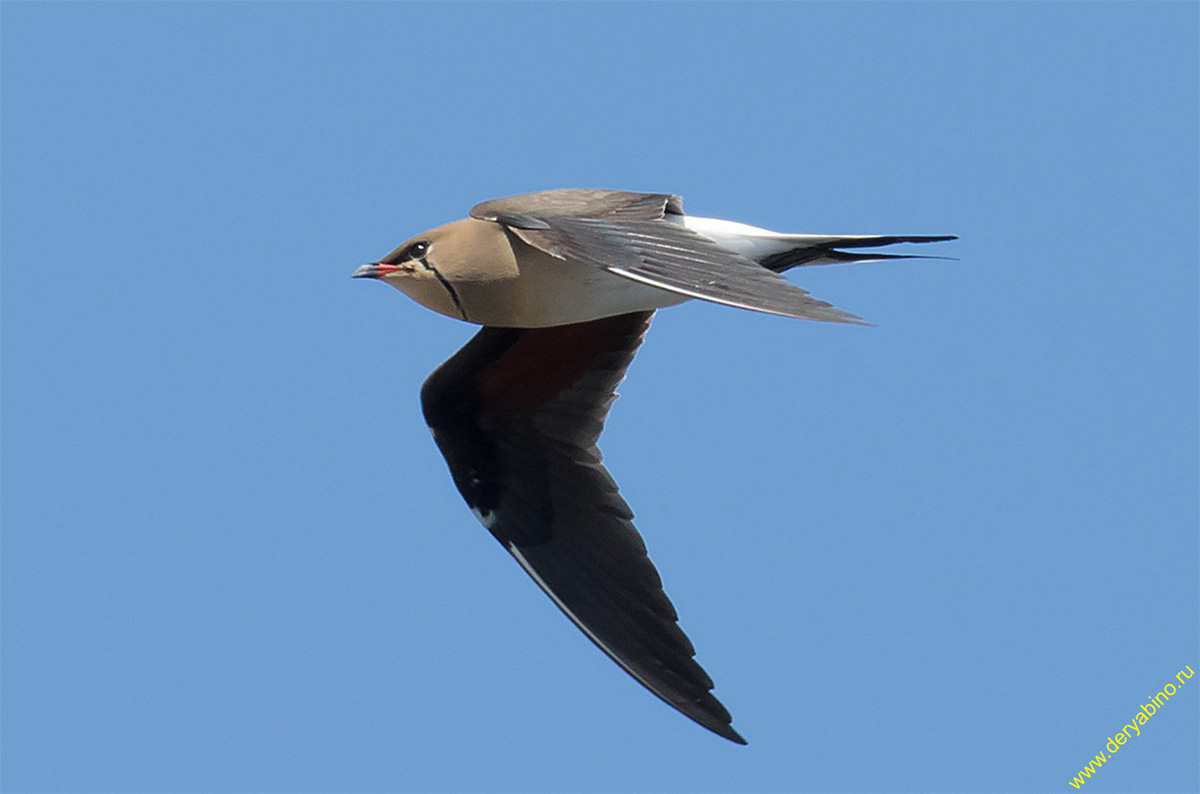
(374, 270)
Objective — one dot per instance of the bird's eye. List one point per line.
(418, 250)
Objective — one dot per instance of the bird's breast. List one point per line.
(547, 291)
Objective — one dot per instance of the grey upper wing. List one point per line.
(516, 413)
(528, 208)
(628, 234)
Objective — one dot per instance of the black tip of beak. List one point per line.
(369, 270)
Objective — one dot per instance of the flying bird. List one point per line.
(564, 283)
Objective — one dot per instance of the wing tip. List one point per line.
(710, 714)
(732, 735)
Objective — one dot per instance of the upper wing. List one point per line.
(626, 234)
(525, 209)
(516, 413)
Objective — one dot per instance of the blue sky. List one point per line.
(955, 552)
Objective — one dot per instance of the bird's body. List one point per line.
(490, 288)
(565, 283)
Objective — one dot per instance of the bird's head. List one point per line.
(431, 267)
